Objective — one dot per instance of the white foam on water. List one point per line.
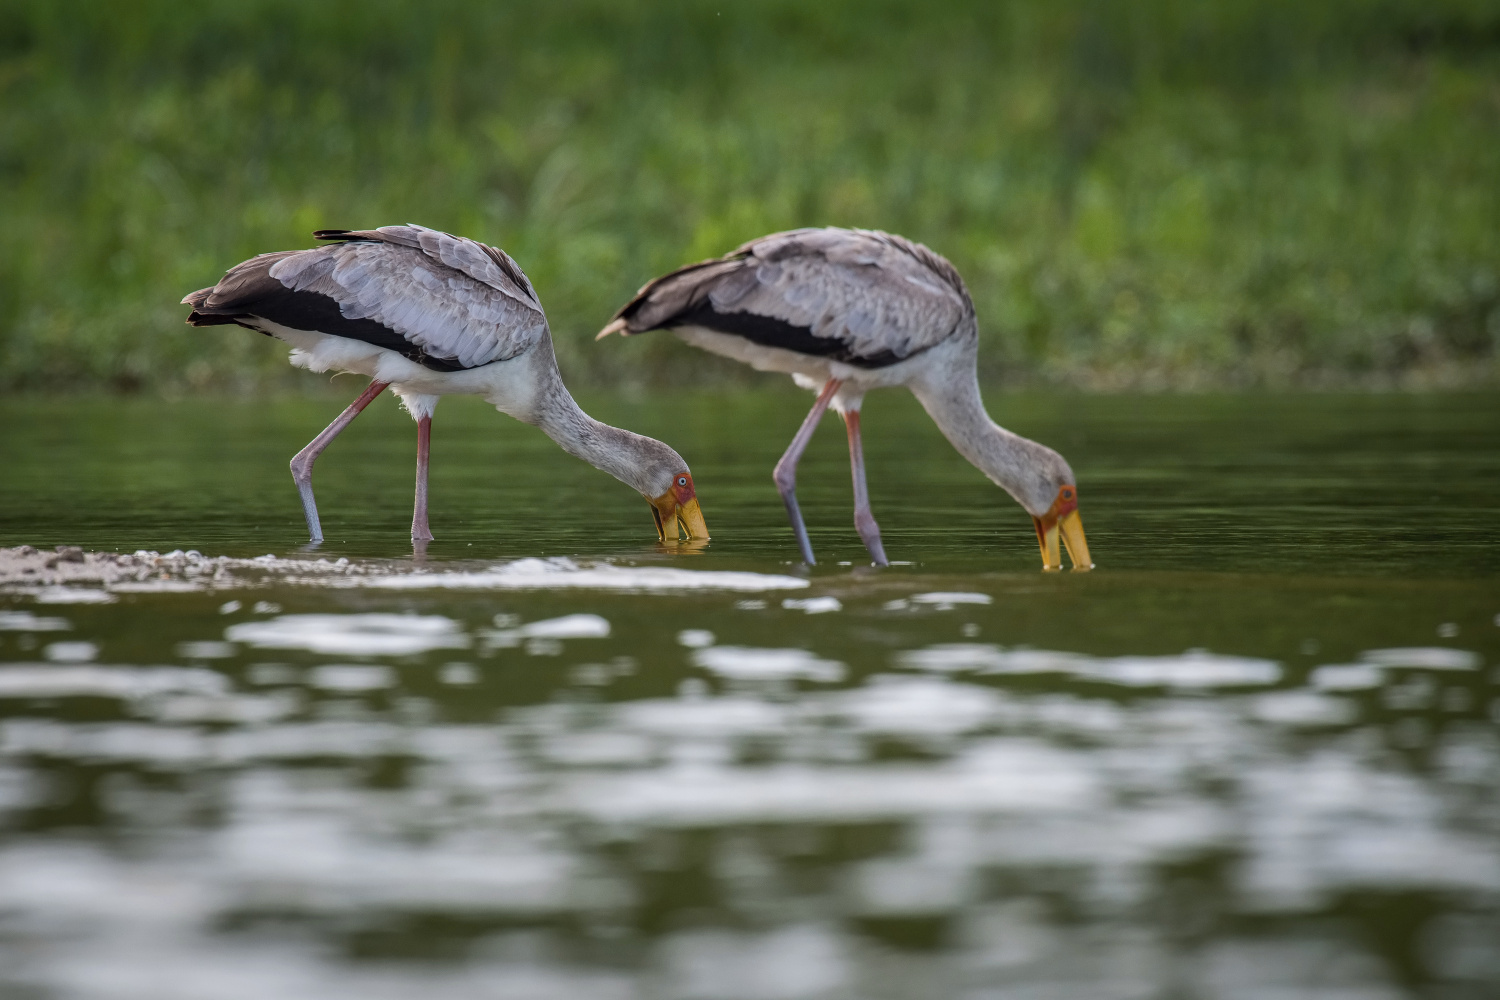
(1303, 709)
(909, 887)
(48, 681)
(207, 649)
(313, 864)
(747, 663)
(565, 574)
(1190, 670)
(1347, 677)
(579, 626)
(1311, 966)
(1424, 657)
(915, 706)
(945, 600)
(158, 586)
(71, 595)
(372, 634)
(813, 605)
(1329, 823)
(1022, 778)
(599, 749)
(25, 621)
(786, 963)
(524, 817)
(695, 638)
(351, 677)
(71, 652)
(273, 673)
(458, 674)
(712, 718)
(986, 658)
(251, 710)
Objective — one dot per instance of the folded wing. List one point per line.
(446, 302)
(862, 297)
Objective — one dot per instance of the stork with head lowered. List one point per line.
(429, 314)
(844, 311)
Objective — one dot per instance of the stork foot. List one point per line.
(869, 532)
(302, 476)
(419, 529)
(302, 462)
(864, 519)
(788, 491)
(785, 475)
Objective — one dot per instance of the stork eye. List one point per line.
(682, 480)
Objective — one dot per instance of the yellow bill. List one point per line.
(1062, 522)
(690, 516)
(1073, 540)
(678, 514)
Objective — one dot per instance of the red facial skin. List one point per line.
(682, 491)
(1067, 501)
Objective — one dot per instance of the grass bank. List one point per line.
(1152, 193)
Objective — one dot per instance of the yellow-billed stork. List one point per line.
(429, 314)
(844, 311)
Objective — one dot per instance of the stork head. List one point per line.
(1046, 487)
(1061, 520)
(662, 477)
(678, 506)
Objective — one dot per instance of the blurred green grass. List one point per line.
(1158, 193)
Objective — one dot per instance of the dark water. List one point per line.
(1255, 755)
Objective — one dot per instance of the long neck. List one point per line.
(1009, 460)
(608, 449)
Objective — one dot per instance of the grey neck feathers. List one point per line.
(1017, 465)
(620, 453)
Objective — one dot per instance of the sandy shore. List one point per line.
(68, 574)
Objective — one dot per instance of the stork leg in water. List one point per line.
(302, 462)
(786, 469)
(864, 518)
(419, 530)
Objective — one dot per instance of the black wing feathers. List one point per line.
(248, 291)
(771, 331)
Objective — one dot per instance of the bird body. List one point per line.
(430, 314)
(845, 311)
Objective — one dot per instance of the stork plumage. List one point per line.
(429, 315)
(844, 311)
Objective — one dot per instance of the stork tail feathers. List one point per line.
(348, 235)
(196, 318)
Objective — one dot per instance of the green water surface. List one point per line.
(1255, 753)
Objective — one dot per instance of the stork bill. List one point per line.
(1062, 520)
(678, 508)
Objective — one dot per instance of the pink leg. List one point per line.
(864, 518)
(785, 475)
(302, 462)
(419, 530)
